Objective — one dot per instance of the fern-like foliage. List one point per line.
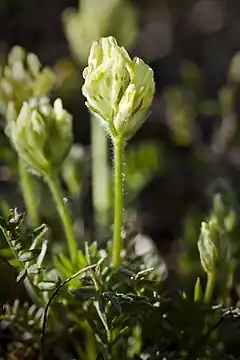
(27, 250)
(19, 331)
(112, 303)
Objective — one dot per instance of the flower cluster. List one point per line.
(119, 90)
(42, 135)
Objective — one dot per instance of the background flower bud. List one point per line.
(21, 79)
(207, 249)
(95, 18)
(119, 90)
(213, 246)
(42, 136)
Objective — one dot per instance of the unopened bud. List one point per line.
(42, 136)
(119, 90)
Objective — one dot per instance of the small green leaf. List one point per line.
(52, 276)
(22, 275)
(15, 263)
(198, 293)
(28, 255)
(46, 285)
(82, 259)
(143, 273)
(33, 269)
(85, 292)
(42, 253)
(126, 272)
(65, 261)
(39, 230)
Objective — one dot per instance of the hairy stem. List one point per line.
(118, 202)
(100, 172)
(55, 188)
(28, 193)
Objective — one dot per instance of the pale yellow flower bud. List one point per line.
(42, 136)
(119, 90)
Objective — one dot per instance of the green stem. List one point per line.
(210, 287)
(28, 193)
(100, 172)
(118, 202)
(55, 188)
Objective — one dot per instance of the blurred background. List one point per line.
(191, 138)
